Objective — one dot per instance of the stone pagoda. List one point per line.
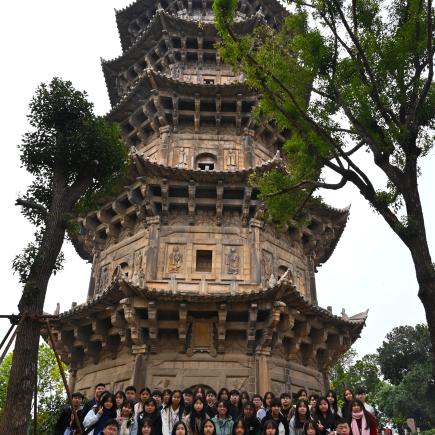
(189, 284)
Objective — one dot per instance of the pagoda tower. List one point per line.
(189, 284)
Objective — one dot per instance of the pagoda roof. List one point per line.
(144, 167)
(161, 22)
(283, 291)
(325, 246)
(144, 10)
(152, 80)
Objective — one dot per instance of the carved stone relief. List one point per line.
(175, 259)
(103, 279)
(138, 271)
(266, 267)
(232, 261)
(301, 281)
(182, 158)
(231, 159)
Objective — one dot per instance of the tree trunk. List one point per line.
(22, 377)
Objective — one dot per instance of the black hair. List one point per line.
(131, 388)
(210, 391)
(148, 401)
(310, 424)
(194, 415)
(285, 394)
(180, 406)
(249, 405)
(110, 422)
(104, 398)
(226, 404)
(313, 396)
(188, 391)
(299, 393)
(360, 390)
(197, 389)
(100, 385)
(268, 424)
(341, 420)
(268, 393)
(77, 394)
(167, 391)
(222, 390)
(146, 422)
(206, 421)
(255, 396)
(156, 393)
(237, 422)
(244, 395)
(344, 394)
(145, 389)
(174, 429)
(334, 395)
(275, 402)
(298, 422)
(129, 404)
(361, 405)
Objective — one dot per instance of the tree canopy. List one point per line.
(71, 154)
(350, 82)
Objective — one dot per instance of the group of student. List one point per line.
(201, 412)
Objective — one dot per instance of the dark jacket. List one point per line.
(281, 420)
(235, 412)
(156, 419)
(253, 426)
(329, 422)
(65, 418)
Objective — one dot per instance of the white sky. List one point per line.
(370, 268)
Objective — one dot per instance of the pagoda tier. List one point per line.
(167, 45)
(134, 19)
(191, 283)
(238, 338)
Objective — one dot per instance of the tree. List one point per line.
(70, 153)
(347, 80)
(404, 348)
(364, 372)
(50, 388)
(409, 399)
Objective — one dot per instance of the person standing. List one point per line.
(172, 412)
(275, 414)
(362, 422)
(66, 418)
(222, 420)
(361, 394)
(99, 390)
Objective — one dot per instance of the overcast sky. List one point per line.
(370, 268)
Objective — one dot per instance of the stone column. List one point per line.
(153, 248)
(165, 133)
(139, 375)
(263, 378)
(255, 226)
(312, 279)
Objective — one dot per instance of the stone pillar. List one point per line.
(165, 134)
(72, 380)
(153, 248)
(139, 375)
(312, 279)
(248, 150)
(263, 377)
(255, 226)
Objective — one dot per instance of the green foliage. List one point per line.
(70, 152)
(410, 399)
(351, 373)
(50, 388)
(404, 358)
(340, 77)
(404, 348)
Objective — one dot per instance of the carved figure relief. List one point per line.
(182, 158)
(138, 273)
(175, 260)
(232, 261)
(266, 267)
(300, 281)
(232, 159)
(104, 275)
